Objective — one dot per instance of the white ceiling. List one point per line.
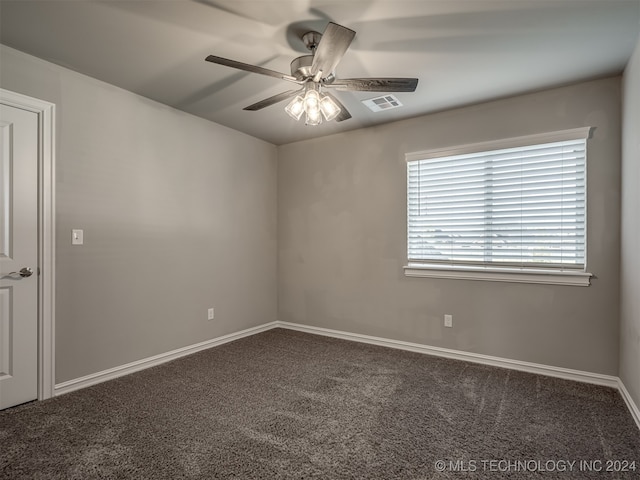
(463, 52)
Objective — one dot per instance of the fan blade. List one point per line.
(267, 102)
(344, 113)
(334, 43)
(251, 68)
(375, 84)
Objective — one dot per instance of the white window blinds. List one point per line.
(513, 207)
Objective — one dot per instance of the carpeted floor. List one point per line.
(284, 404)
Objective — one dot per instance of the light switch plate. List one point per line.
(77, 237)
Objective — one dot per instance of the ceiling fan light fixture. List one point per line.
(314, 105)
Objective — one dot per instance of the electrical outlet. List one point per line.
(448, 321)
(210, 314)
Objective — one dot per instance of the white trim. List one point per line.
(633, 408)
(549, 137)
(46, 234)
(115, 372)
(514, 275)
(551, 371)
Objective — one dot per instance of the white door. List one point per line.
(18, 256)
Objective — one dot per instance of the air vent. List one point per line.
(385, 102)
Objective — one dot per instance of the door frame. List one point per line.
(46, 234)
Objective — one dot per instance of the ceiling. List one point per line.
(462, 52)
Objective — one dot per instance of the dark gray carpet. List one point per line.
(284, 404)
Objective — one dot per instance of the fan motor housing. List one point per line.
(301, 67)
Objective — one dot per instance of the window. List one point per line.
(513, 210)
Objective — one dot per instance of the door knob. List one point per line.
(24, 272)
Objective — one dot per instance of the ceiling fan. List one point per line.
(314, 73)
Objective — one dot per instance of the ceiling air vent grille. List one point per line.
(385, 102)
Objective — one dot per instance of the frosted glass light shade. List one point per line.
(329, 108)
(314, 117)
(295, 108)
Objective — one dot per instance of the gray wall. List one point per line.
(179, 214)
(342, 237)
(630, 225)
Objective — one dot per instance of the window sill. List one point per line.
(511, 275)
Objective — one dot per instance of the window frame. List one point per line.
(487, 272)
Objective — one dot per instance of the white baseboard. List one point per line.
(111, 373)
(633, 408)
(559, 372)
